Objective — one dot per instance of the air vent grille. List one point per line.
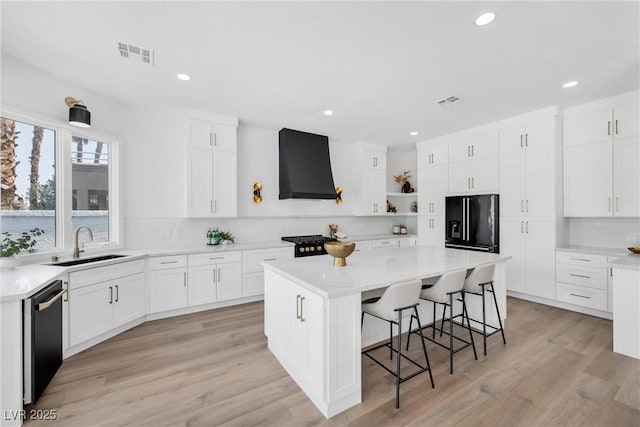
(448, 101)
(137, 53)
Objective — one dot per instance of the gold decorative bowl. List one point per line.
(635, 249)
(339, 251)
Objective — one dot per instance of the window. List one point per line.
(28, 180)
(90, 187)
(57, 179)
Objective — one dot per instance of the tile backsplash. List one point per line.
(604, 232)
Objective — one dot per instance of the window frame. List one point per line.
(64, 198)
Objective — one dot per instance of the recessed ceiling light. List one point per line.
(328, 112)
(485, 18)
(184, 77)
(570, 84)
(414, 133)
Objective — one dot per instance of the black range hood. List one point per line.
(305, 166)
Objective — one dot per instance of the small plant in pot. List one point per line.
(10, 246)
(224, 237)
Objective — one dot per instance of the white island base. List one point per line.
(312, 313)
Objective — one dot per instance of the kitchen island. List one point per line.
(312, 312)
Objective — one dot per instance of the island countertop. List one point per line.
(376, 269)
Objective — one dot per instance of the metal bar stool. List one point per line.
(398, 301)
(442, 292)
(477, 283)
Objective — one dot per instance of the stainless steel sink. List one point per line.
(87, 260)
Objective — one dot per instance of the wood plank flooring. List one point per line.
(213, 368)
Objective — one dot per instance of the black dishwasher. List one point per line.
(42, 339)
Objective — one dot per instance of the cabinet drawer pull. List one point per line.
(521, 146)
(526, 139)
(472, 154)
(117, 293)
(616, 126)
(609, 127)
(581, 259)
(168, 262)
(297, 306)
(473, 184)
(217, 257)
(302, 319)
(580, 275)
(269, 259)
(580, 296)
(110, 294)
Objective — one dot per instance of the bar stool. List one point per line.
(480, 278)
(442, 292)
(398, 301)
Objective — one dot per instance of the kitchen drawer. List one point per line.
(171, 261)
(389, 243)
(592, 277)
(252, 259)
(214, 258)
(362, 246)
(576, 258)
(582, 296)
(90, 276)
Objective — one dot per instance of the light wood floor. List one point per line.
(213, 368)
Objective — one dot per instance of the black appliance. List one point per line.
(305, 166)
(309, 245)
(42, 329)
(472, 223)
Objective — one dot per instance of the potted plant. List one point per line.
(404, 180)
(224, 237)
(10, 247)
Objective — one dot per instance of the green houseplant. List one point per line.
(223, 236)
(10, 246)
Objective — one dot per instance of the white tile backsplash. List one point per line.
(604, 232)
(180, 232)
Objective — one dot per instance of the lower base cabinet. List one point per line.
(105, 298)
(167, 289)
(253, 271)
(582, 279)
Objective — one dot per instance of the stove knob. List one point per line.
(306, 249)
(301, 249)
(312, 248)
(319, 248)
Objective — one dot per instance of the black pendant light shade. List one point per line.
(78, 114)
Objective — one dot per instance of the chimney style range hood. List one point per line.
(305, 167)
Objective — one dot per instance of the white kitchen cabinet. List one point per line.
(602, 158)
(473, 163)
(253, 271)
(431, 230)
(211, 170)
(582, 280)
(167, 283)
(433, 184)
(531, 243)
(531, 135)
(214, 277)
(432, 154)
(372, 186)
(101, 299)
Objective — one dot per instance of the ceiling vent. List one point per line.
(137, 53)
(448, 101)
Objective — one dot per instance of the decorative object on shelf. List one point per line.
(338, 195)
(257, 189)
(78, 114)
(390, 207)
(413, 206)
(396, 229)
(333, 229)
(10, 247)
(339, 251)
(403, 229)
(404, 180)
(635, 249)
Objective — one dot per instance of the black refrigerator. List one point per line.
(472, 223)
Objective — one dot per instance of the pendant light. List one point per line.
(78, 114)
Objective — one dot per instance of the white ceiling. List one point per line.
(380, 66)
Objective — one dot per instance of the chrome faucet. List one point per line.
(76, 249)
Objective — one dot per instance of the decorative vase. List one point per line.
(406, 187)
(227, 242)
(9, 262)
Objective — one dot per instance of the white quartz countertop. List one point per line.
(375, 269)
(631, 262)
(218, 248)
(595, 250)
(367, 237)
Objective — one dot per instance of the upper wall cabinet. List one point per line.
(373, 181)
(602, 158)
(435, 154)
(473, 163)
(211, 170)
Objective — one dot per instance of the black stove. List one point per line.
(309, 245)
